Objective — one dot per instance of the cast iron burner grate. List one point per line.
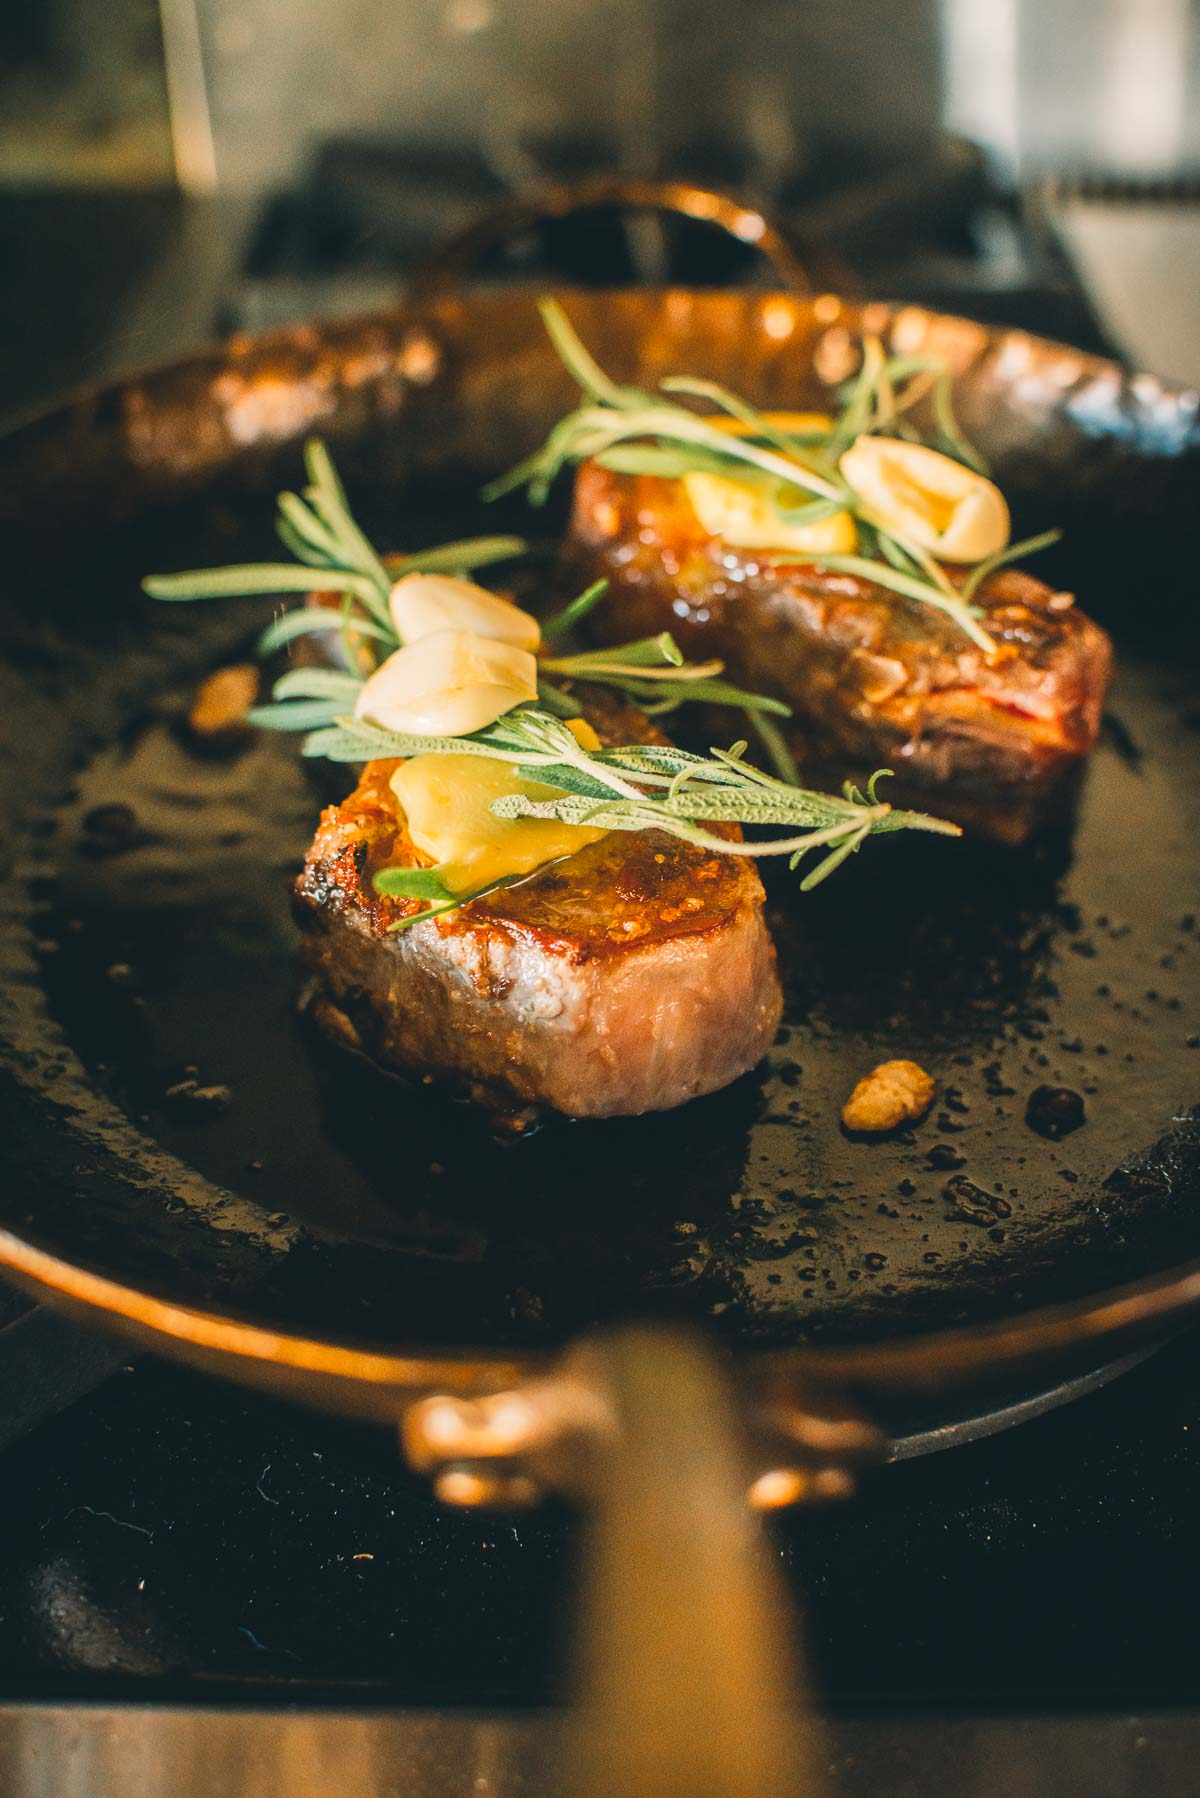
(931, 228)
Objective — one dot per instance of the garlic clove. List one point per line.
(456, 712)
(424, 604)
(979, 528)
(929, 498)
(745, 514)
(448, 685)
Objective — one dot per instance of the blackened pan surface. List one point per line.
(168, 1118)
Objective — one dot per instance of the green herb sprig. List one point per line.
(427, 884)
(635, 432)
(655, 676)
(650, 787)
(334, 556)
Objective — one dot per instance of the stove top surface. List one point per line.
(170, 1538)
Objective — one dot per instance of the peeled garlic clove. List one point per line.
(929, 498)
(448, 685)
(424, 604)
(746, 515)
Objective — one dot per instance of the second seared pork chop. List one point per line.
(873, 679)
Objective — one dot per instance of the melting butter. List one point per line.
(445, 800)
(746, 512)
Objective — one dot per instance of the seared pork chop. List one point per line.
(873, 679)
(629, 977)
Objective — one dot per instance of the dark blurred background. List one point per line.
(173, 168)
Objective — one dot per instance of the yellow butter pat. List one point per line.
(446, 800)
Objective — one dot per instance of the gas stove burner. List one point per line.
(929, 228)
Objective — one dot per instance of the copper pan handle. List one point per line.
(687, 1665)
(689, 1678)
(804, 269)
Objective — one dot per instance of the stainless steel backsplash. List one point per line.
(528, 87)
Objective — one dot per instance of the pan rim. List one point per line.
(931, 1361)
(827, 309)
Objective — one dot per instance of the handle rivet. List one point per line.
(475, 1488)
(778, 1488)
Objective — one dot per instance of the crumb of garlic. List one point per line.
(894, 1093)
(221, 704)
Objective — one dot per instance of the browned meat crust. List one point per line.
(873, 679)
(630, 977)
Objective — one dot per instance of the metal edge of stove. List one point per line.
(103, 1751)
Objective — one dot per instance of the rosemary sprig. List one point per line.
(652, 673)
(634, 432)
(334, 556)
(649, 787)
(564, 622)
(594, 430)
(1012, 553)
(304, 698)
(655, 676)
(858, 413)
(776, 746)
